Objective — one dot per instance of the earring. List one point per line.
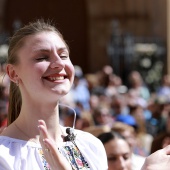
(17, 82)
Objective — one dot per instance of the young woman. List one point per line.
(118, 151)
(41, 73)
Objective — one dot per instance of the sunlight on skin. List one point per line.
(55, 159)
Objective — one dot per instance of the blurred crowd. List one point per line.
(103, 104)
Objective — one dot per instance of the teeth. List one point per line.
(56, 78)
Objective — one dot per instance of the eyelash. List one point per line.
(114, 158)
(64, 56)
(111, 159)
(42, 58)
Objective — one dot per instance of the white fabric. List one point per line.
(17, 154)
(137, 161)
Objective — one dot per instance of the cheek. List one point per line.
(70, 71)
(41, 67)
(128, 164)
(112, 165)
(32, 73)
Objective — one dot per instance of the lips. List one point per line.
(55, 77)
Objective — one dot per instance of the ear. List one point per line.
(10, 70)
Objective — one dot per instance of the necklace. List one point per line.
(33, 139)
(30, 139)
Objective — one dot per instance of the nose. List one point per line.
(122, 163)
(57, 62)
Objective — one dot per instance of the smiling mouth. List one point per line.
(54, 78)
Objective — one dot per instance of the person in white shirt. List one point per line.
(41, 73)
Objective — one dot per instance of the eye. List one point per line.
(64, 56)
(111, 158)
(42, 58)
(126, 156)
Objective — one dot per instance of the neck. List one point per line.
(25, 135)
(27, 122)
(31, 132)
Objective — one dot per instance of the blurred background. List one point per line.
(126, 34)
(120, 50)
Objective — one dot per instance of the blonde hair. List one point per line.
(16, 42)
(120, 127)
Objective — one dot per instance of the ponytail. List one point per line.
(14, 103)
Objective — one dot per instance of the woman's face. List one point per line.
(44, 69)
(118, 154)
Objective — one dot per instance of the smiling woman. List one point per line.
(41, 73)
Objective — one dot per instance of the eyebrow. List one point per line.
(48, 50)
(111, 154)
(63, 49)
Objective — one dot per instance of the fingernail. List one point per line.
(38, 127)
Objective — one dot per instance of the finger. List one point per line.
(52, 147)
(45, 140)
(43, 134)
(43, 129)
(167, 150)
(54, 157)
(42, 123)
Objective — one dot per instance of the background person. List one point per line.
(129, 133)
(117, 150)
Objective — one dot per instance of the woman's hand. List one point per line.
(54, 158)
(159, 160)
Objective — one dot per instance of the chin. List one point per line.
(61, 91)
